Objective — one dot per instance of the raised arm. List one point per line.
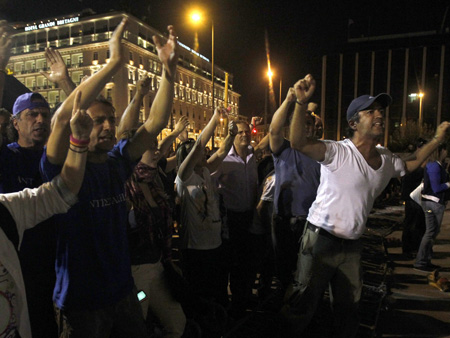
(31, 206)
(162, 105)
(130, 117)
(276, 137)
(58, 142)
(198, 151)
(180, 126)
(5, 53)
(425, 151)
(304, 89)
(81, 125)
(215, 160)
(58, 71)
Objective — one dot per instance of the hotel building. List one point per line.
(82, 40)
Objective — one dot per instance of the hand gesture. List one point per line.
(143, 85)
(5, 45)
(232, 128)
(222, 112)
(290, 97)
(181, 125)
(441, 131)
(256, 120)
(81, 123)
(304, 88)
(167, 53)
(312, 106)
(58, 69)
(116, 54)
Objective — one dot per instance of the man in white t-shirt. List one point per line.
(353, 173)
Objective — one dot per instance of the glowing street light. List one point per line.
(196, 18)
(421, 95)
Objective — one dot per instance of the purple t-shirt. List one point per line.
(93, 264)
(296, 183)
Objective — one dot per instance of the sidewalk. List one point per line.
(416, 309)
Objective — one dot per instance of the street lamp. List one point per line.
(421, 95)
(196, 18)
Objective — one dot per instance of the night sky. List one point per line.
(300, 32)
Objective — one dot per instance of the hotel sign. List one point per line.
(58, 22)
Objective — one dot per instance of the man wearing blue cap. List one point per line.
(19, 169)
(353, 173)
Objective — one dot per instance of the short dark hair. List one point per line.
(350, 130)
(106, 102)
(183, 150)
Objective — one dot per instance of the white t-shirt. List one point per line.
(200, 214)
(348, 188)
(267, 194)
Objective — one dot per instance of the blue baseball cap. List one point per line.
(25, 101)
(364, 102)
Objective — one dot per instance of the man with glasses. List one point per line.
(353, 173)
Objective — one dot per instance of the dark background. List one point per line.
(299, 32)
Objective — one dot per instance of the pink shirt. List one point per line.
(238, 181)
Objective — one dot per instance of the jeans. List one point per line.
(434, 213)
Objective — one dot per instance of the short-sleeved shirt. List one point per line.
(348, 188)
(298, 178)
(200, 216)
(267, 193)
(19, 168)
(93, 264)
(238, 181)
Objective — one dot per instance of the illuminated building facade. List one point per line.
(82, 41)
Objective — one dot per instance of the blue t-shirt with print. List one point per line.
(93, 264)
(296, 183)
(19, 168)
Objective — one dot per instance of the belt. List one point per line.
(324, 233)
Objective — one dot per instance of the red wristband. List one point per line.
(79, 143)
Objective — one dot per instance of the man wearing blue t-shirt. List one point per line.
(94, 294)
(297, 179)
(19, 169)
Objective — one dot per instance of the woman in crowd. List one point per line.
(436, 182)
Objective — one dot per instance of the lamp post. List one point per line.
(421, 95)
(196, 17)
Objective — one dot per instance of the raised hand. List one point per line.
(168, 53)
(290, 96)
(304, 88)
(182, 124)
(58, 69)
(5, 44)
(232, 128)
(143, 85)
(81, 123)
(256, 120)
(116, 54)
(441, 131)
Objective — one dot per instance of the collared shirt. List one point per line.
(238, 181)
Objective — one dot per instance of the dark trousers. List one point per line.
(203, 271)
(241, 278)
(413, 227)
(123, 319)
(286, 242)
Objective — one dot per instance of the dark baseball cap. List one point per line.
(29, 101)
(364, 102)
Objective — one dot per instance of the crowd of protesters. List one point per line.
(102, 265)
